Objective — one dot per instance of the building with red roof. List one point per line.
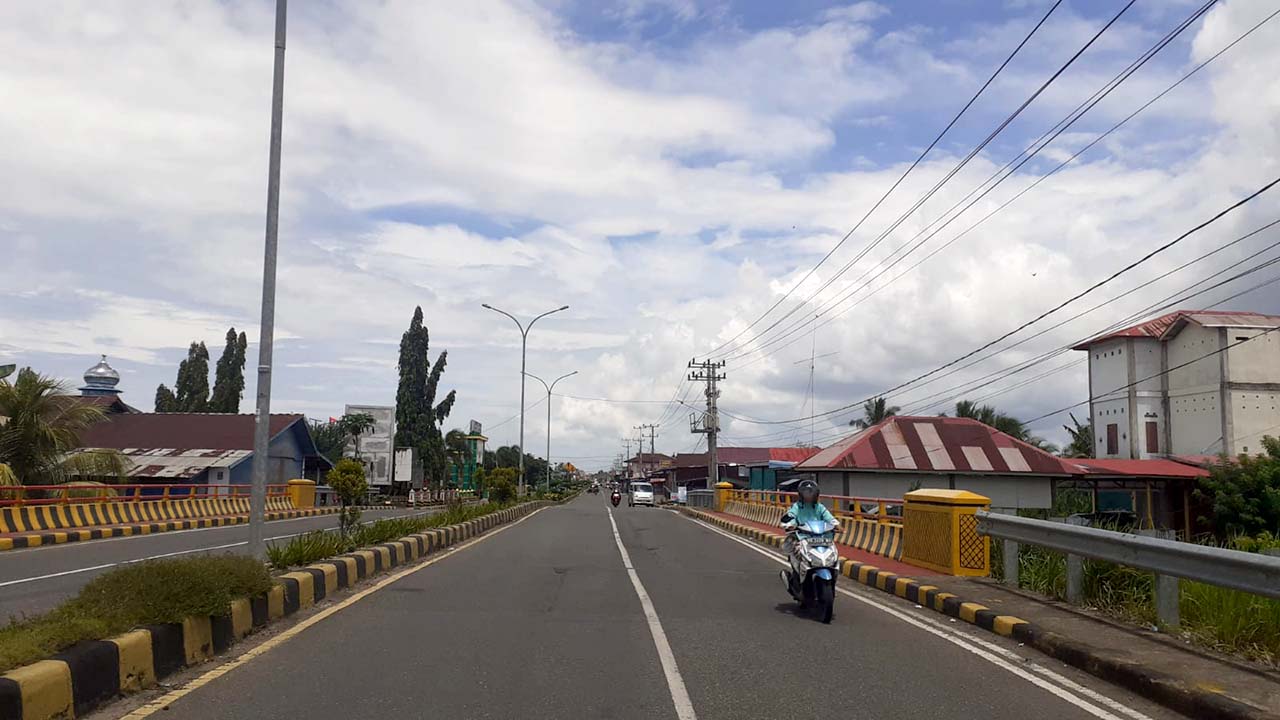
(904, 453)
(1192, 382)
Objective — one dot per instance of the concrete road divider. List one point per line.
(75, 681)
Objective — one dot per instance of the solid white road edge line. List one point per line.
(675, 683)
(1052, 682)
(176, 553)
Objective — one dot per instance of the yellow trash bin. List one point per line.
(940, 532)
(302, 493)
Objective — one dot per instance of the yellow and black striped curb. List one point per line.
(1189, 698)
(55, 535)
(89, 674)
(904, 587)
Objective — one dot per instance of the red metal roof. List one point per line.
(1156, 467)
(179, 431)
(792, 454)
(1157, 327)
(937, 444)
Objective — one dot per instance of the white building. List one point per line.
(1162, 387)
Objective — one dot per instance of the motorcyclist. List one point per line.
(806, 509)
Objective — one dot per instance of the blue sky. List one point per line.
(668, 169)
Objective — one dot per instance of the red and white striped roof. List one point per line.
(937, 444)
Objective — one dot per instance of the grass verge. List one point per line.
(322, 544)
(158, 591)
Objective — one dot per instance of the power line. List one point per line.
(1029, 152)
(930, 193)
(1220, 214)
(902, 177)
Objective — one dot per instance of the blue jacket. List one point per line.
(808, 513)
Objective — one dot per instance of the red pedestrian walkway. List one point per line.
(849, 553)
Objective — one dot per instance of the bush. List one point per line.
(321, 544)
(157, 591)
(348, 482)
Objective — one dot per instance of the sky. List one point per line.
(669, 169)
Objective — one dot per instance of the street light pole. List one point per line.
(524, 342)
(262, 424)
(549, 388)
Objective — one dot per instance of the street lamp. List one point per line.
(524, 342)
(549, 388)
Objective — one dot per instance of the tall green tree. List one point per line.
(1081, 445)
(228, 377)
(874, 411)
(40, 439)
(165, 400)
(191, 390)
(418, 416)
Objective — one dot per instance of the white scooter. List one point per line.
(815, 562)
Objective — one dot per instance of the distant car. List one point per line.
(641, 494)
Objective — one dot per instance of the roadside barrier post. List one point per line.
(723, 490)
(940, 532)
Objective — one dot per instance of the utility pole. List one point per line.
(262, 424)
(653, 429)
(708, 371)
(626, 470)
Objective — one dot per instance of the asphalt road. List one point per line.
(35, 579)
(542, 620)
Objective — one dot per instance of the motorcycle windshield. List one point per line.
(817, 531)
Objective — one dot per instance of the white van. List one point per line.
(641, 494)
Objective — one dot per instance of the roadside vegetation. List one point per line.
(322, 544)
(158, 591)
(1242, 501)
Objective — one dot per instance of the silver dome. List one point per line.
(102, 374)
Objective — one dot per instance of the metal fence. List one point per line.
(1167, 559)
(71, 493)
(882, 510)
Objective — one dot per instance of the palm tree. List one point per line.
(987, 415)
(353, 425)
(874, 411)
(1081, 445)
(40, 429)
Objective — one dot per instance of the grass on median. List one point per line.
(322, 544)
(157, 591)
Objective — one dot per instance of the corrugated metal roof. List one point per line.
(937, 444)
(745, 456)
(1155, 467)
(177, 464)
(179, 431)
(1159, 326)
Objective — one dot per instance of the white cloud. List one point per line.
(453, 154)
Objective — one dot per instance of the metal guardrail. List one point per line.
(1168, 559)
(701, 499)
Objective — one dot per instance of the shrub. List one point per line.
(348, 482)
(157, 591)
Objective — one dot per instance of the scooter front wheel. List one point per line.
(826, 600)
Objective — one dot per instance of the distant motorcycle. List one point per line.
(615, 498)
(814, 562)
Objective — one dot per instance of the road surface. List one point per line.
(542, 619)
(34, 580)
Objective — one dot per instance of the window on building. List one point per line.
(1153, 437)
(1113, 439)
